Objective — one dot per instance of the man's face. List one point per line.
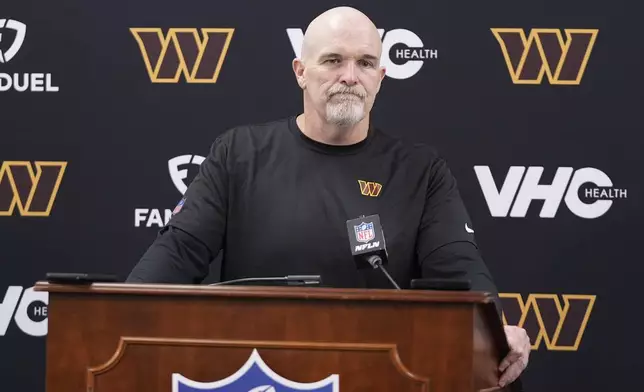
(343, 75)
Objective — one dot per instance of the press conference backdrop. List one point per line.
(108, 108)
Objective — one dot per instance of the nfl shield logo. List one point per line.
(254, 376)
(365, 232)
(179, 206)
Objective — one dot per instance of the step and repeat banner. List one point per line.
(107, 109)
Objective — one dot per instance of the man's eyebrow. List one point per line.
(329, 54)
(335, 55)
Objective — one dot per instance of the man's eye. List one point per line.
(366, 63)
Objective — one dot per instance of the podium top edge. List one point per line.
(319, 293)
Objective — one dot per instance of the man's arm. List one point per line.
(446, 246)
(183, 250)
(447, 249)
(174, 257)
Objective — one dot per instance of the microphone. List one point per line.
(368, 244)
(289, 280)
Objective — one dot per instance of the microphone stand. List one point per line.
(376, 262)
(289, 280)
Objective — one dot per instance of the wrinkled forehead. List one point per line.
(353, 42)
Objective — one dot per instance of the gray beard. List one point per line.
(345, 114)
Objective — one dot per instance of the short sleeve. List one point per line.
(445, 219)
(203, 209)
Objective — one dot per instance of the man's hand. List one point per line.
(517, 359)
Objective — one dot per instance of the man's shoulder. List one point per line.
(257, 131)
(404, 147)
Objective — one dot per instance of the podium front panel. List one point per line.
(103, 342)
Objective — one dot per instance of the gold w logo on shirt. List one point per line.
(368, 188)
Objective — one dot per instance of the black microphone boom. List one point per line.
(289, 280)
(376, 262)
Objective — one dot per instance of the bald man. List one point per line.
(276, 197)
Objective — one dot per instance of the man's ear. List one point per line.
(383, 72)
(298, 69)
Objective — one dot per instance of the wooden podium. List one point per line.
(153, 338)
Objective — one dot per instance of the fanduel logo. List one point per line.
(21, 30)
(522, 186)
(402, 63)
(546, 52)
(29, 311)
(149, 217)
(183, 51)
(178, 176)
(34, 82)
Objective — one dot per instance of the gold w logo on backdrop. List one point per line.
(545, 52)
(559, 323)
(33, 192)
(183, 51)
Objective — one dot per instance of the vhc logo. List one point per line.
(254, 376)
(365, 232)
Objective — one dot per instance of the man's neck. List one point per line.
(317, 129)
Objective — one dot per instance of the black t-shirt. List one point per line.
(276, 202)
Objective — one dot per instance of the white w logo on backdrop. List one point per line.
(21, 31)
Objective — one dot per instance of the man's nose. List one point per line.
(349, 75)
